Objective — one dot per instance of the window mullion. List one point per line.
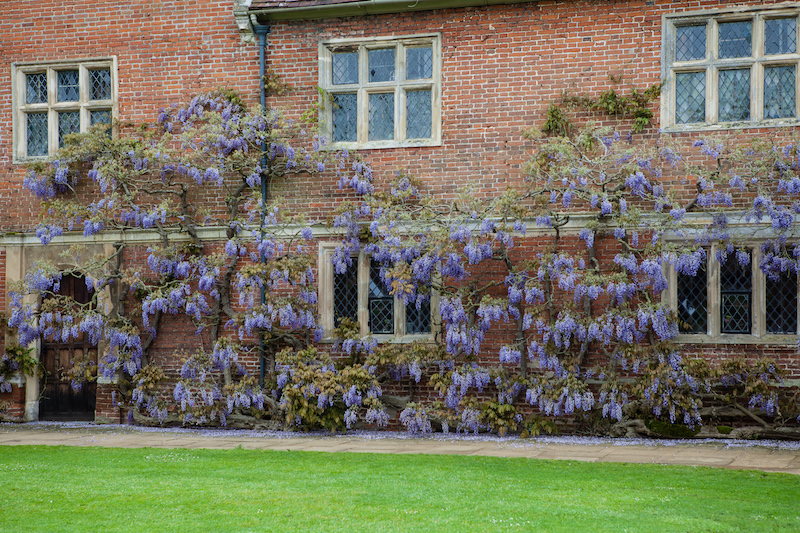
(399, 316)
(757, 91)
(759, 299)
(363, 293)
(714, 294)
(712, 94)
(362, 116)
(399, 115)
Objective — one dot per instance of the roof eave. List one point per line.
(365, 7)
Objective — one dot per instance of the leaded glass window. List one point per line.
(36, 88)
(68, 122)
(363, 295)
(345, 114)
(781, 303)
(381, 303)
(381, 65)
(690, 42)
(100, 84)
(37, 134)
(56, 100)
(779, 92)
(418, 114)
(780, 36)
(736, 67)
(345, 294)
(734, 95)
(419, 63)
(736, 288)
(693, 302)
(418, 320)
(746, 300)
(345, 68)
(690, 97)
(68, 86)
(382, 91)
(100, 116)
(735, 39)
(381, 116)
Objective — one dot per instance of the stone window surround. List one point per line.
(84, 105)
(364, 89)
(758, 333)
(325, 300)
(756, 62)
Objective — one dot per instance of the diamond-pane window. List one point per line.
(736, 287)
(734, 95)
(60, 99)
(382, 90)
(68, 122)
(693, 302)
(690, 42)
(345, 294)
(381, 303)
(419, 63)
(781, 303)
(344, 68)
(100, 116)
(735, 313)
(743, 70)
(418, 114)
(381, 116)
(68, 86)
(381, 65)
(363, 294)
(735, 39)
(37, 134)
(690, 97)
(418, 320)
(100, 84)
(779, 92)
(780, 36)
(345, 117)
(36, 88)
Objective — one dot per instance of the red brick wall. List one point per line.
(502, 67)
(166, 51)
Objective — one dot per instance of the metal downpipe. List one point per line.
(262, 30)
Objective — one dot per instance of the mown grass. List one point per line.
(106, 489)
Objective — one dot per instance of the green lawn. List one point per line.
(106, 489)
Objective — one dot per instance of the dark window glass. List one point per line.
(345, 294)
(693, 302)
(736, 288)
(781, 303)
(381, 303)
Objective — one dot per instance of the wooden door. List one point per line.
(58, 400)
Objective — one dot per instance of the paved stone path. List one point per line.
(767, 456)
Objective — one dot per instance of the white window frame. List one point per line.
(52, 107)
(758, 331)
(325, 299)
(364, 88)
(711, 65)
